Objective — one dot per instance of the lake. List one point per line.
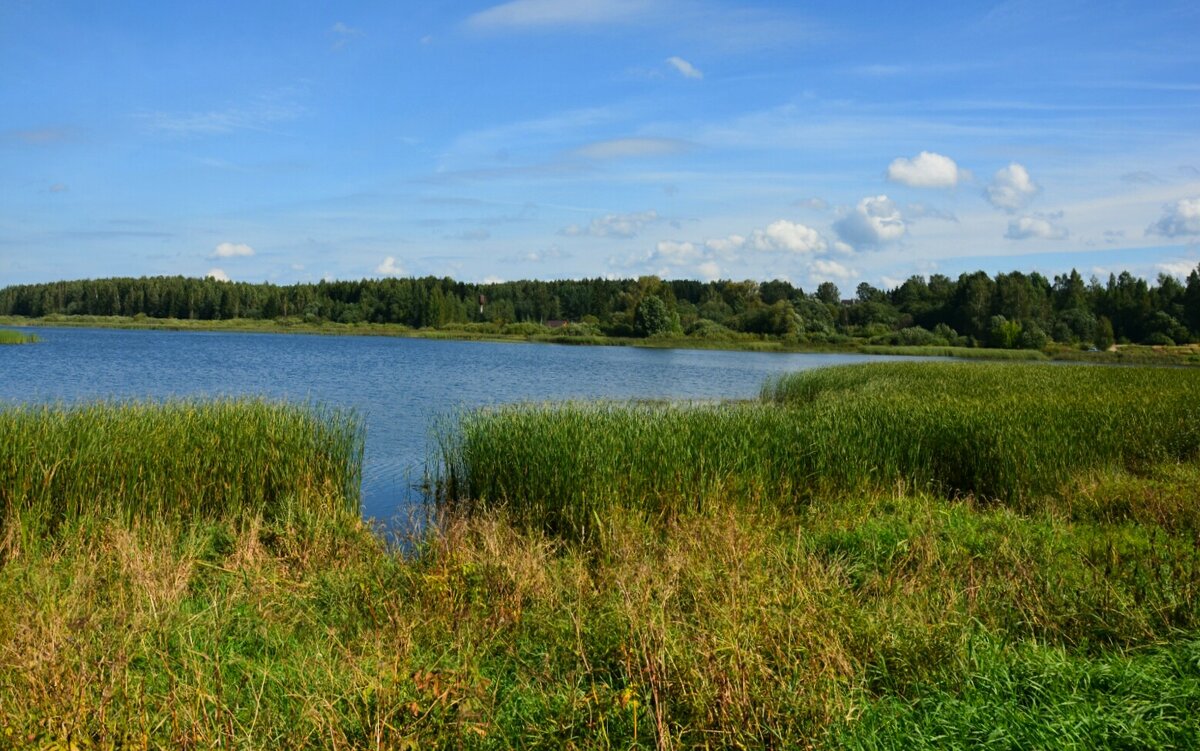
(399, 386)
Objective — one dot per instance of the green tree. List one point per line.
(653, 317)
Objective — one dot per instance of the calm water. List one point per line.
(398, 385)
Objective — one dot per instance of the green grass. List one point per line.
(707, 606)
(969, 353)
(1006, 432)
(174, 461)
(8, 336)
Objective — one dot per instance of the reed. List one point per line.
(8, 336)
(1011, 433)
(175, 461)
(966, 353)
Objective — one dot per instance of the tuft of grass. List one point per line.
(8, 336)
(177, 461)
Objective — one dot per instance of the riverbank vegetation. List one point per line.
(1008, 311)
(881, 598)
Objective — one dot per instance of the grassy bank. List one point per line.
(875, 613)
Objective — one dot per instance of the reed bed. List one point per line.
(8, 336)
(175, 461)
(1010, 433)
(966, 353)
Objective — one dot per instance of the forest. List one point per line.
(1011, 311)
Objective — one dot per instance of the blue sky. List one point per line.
(583, 138)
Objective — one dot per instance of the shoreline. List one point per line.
(1126, 354)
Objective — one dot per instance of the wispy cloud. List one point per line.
(545, 14)
(684, 68)
(613, 225)
(621, 148)
(343, 34)
(40, 136)
(261, 115)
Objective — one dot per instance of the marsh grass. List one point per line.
(1006, 433)
(8, 336)
(887, 617)
(174, 462)
(967, 353)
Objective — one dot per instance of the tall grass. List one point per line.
(8, 336)
(966, 353)
(175, 461)
(1005, 432)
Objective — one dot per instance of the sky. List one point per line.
(547, 139)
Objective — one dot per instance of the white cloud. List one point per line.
(1012, 189)
(492, 280)
(788, 236)
(1178, 268)
(389, 267)
(1179, 219)
(542, 14)
(925, 170)
(817, 204)
(685, 69)
(890, 282)
(677, 253)
(217, 274)
(232, 250)
(709, 270)
(621, 148)
(725, 246)
(1039, 227)
(875, 220)
(613, 225)
(829, 269)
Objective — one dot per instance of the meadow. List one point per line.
(943, 555)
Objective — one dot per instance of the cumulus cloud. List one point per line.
(925, 170)
(677, 253)
(217, 274)
(1179, 219)
(232, 250)
(788, 236)
(725, 246)
(389, 267)
(828, 269)
(1036, 227)
(1011, 189)
(874, 221)
(613, 225)
(622, 148)
(684, 68)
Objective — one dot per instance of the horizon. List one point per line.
(577, 139)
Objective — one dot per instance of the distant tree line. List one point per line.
(1008, 310)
